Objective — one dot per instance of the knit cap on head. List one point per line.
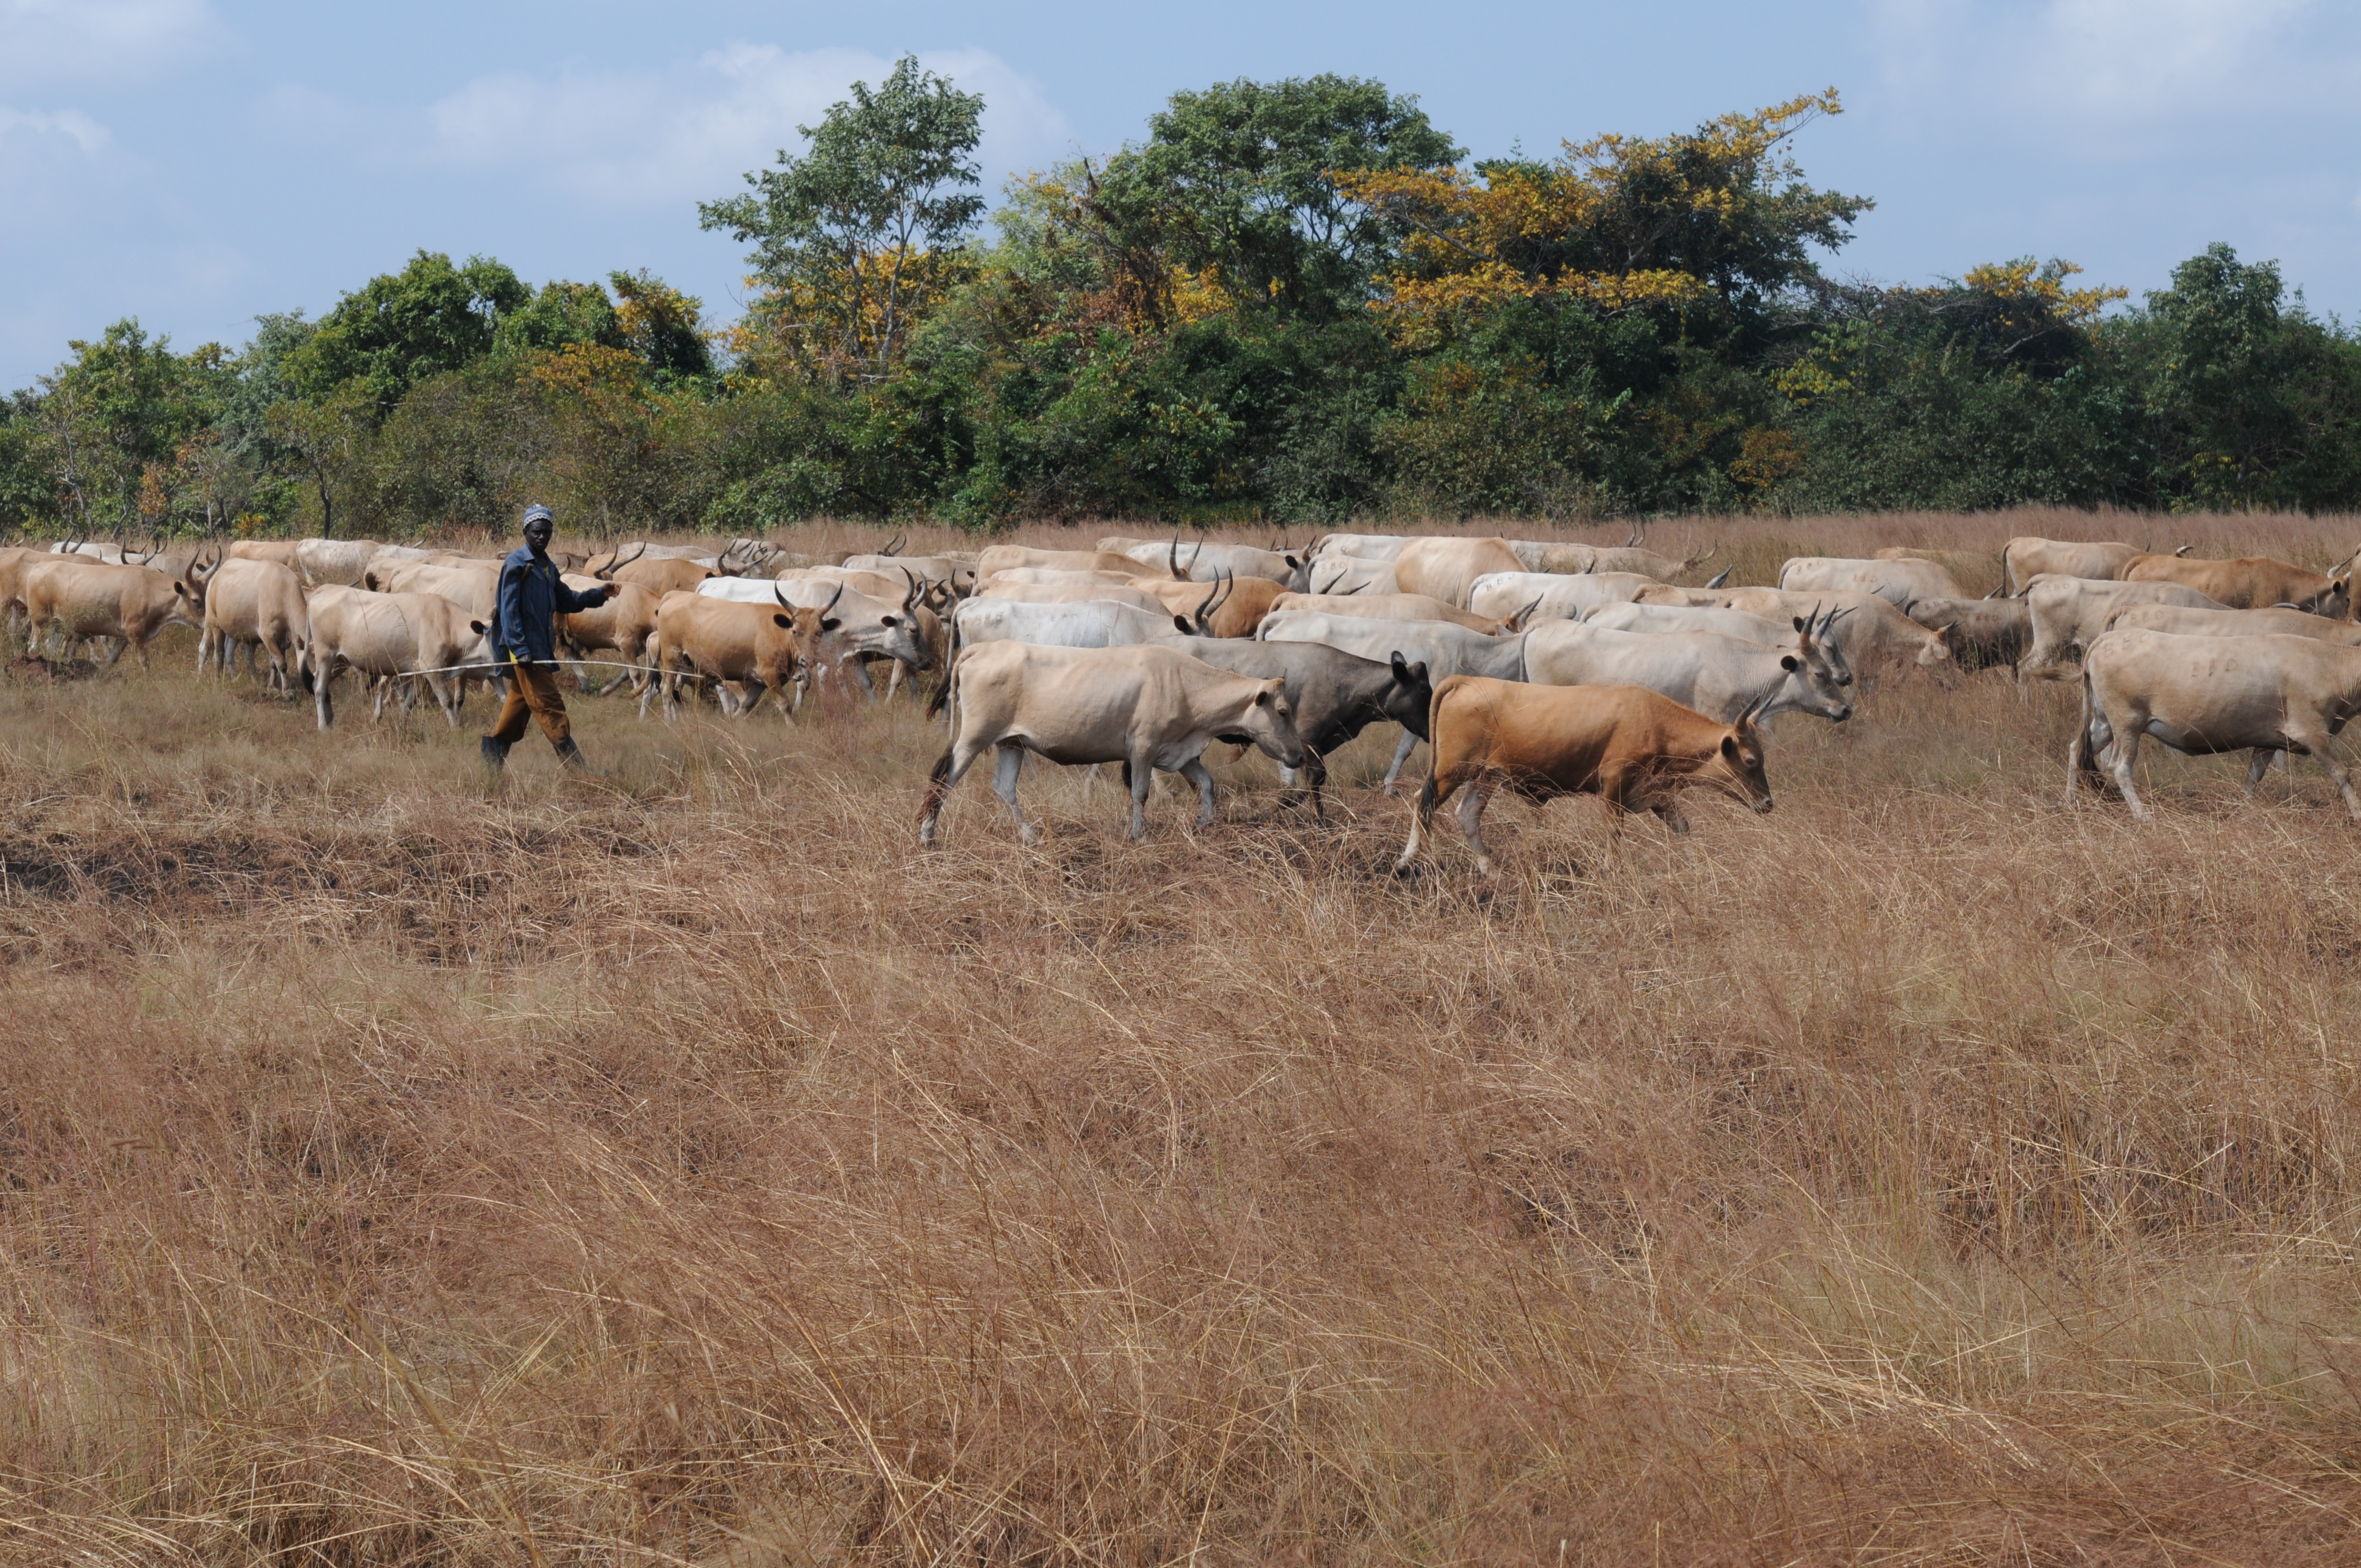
(541, 513)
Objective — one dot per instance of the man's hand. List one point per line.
(612, 589)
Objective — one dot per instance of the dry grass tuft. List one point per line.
(684, 1168)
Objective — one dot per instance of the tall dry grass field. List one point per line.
(684, 1168)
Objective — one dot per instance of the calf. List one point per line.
(1145, 706)
(1631, 746)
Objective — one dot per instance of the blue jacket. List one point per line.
(531, 598)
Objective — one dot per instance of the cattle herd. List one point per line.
(1542, 668)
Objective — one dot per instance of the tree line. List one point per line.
(1294, 301)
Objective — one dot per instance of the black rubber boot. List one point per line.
(495, 754)
(571, 756)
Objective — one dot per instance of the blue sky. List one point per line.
(194, 162)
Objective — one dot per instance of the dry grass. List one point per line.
(684, 1168)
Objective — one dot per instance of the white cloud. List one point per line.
(70, 124)
(687, 132)
(106, 43)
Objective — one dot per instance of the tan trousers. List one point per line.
(532, 689)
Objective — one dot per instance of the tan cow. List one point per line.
(14, 559)
(474, 588)
(2251, 582)
(1147, 706)
(1447, 568)
(335, 560)
(282, 551)
(1392, 607)
(1631, 746)
(253, 602)
(1000, 557)
(744, 648)
(2203, 695)
(71, 598)
(2274, 622)
(2069, 612)
(388, 640)
(625, 626)
(660, 575)
(1899, 583)
(2023, 559)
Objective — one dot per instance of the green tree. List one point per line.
(862, 231)
(557, 315)
(113, 420)
(328, 439)
(1240, 179)
(662, 325)
(400, 328)
(2255, 403)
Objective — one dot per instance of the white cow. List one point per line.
(1899, 583)
(1554, 596)
(1148, 707)
(1720, 676)
(2069, 612)
(388, 637)
(2202, 696)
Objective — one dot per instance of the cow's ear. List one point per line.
(1799, 623)
(1787, 662)
(887, 620)
(1402, 671)
(830, 623)
(477, 627)
(1729, 747)
(1182, 622)
(786, 620)
(1262, 698)
(1290, 560)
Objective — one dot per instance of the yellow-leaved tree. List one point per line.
(1718, 215)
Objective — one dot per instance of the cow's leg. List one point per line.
(955, 761)
(1139, 772)
(2259, 765)
(1196, 772)
(206, 640)
(1433, 793)
(894, 681)
(861, 673)
(323, 676)
(1401, 755)
(2318, 743)
(1471, 823)
(1006, 769)
(2092, 737)
(446, 693)
(2121, 755)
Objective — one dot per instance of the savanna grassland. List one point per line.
(682, 1168)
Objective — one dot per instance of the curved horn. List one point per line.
(894, 546)
(2182, 551)
(832, 598)
(1172, 561)
(1633, 543)
(1517, 621)
(910, 599)
(1720, 578)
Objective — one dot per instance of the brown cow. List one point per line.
(752, 647)
(624, 625)
(2250, 582)
(1627, 745)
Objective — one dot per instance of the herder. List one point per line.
(524, 640)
